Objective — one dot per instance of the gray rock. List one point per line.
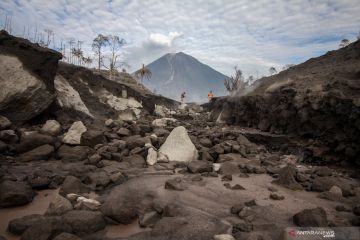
(287, 178)
(19, 225)
(27, 78)
(72, 154)
(149, 219)
(84, 222)
(15, 194)
(315, 217)
(51, 127)
(66, 236)
(45, 228)
(98, 178)
(175, 184)
(123, 132)
(8, 136)
(92, 138)
(40, 153)
(72, 184)
(4, 123)
(31, 140)
(59, 206)
(199, 166)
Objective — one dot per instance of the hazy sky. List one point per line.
(252, 34)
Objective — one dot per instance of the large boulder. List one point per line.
(73, 136)
(315, 217)
(15, 194)
(18, 226)
(27, 78)
(84, 222)
(287, 178)
(72, 184)
(45, 228)
(58, 206)
(178, 146)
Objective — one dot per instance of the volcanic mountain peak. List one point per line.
(175, 73)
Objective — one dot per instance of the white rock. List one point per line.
(178, 146)
(68, 97)
(51, 127)
(110, 123)
(73, 136)
(224, 237)
(172, 112)
(133, 103)
(162, 122)
(72, 196)
(216, 167)
(160, 110)
(182, 106)
(91, 204)
(151, 158)
(127, 115)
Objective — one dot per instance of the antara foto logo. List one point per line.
(292, 233)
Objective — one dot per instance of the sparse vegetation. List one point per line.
(115, 43)
(236, 83)
(98, 43)
(142, 73)
(344, 43)
(272, 70)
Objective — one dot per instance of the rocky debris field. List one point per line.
(181, 176)
(85, 157)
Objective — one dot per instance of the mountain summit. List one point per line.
(175, 73)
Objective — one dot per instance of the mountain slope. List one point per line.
(174, 73)
(318, 99)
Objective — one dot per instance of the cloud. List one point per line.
(253, 35)
(163, 40)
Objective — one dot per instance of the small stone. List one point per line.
(336, 191)
(223, 237)
(235, 209)
(356, 210)
(342, 208)
(272, 189)
(4, 123)
(227, 178)
(237, 187)
(152, 156)
(275, 196)
(175, 184)
(51, 127)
